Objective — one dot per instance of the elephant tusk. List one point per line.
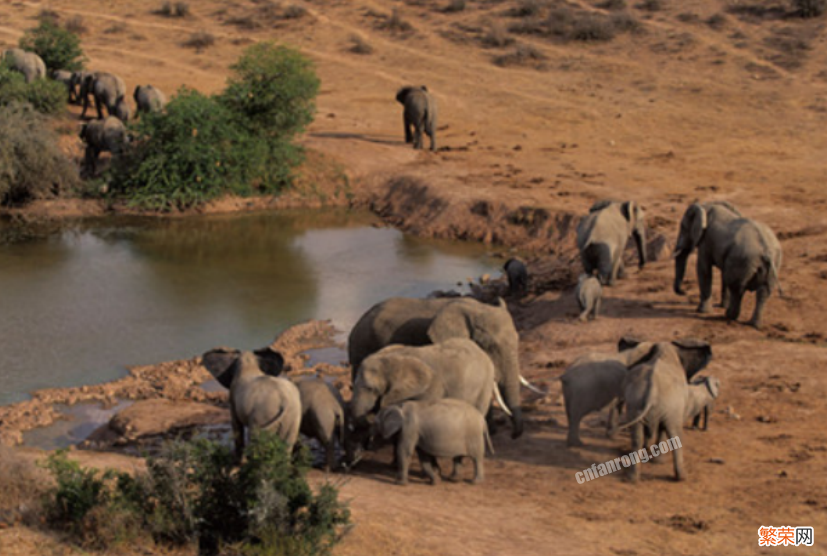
(532, 387)
(500, 401)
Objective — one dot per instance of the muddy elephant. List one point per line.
(457, 368)
(603, 235)
(419, 115)
(28, 63)
(656, 390)
(107, 135)
(148, 99)
(106, 89)
(446, 428)
(746, 252)
(259, 400)
(417, 322)
(323, 416)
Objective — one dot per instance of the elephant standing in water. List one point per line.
(28, 63)
(419, 115)
(747, 253)
(417, 322)
(258, 398)
(603, 234)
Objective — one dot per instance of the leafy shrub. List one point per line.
(31, 163)
(45, 95)
(59, 48)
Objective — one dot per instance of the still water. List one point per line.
(77, 307)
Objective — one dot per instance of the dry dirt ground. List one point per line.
(707, 100)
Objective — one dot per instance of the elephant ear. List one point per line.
(221, 363)
(408, 379)
(270, 361)
(391, 421)
(653, 353)
(699, 222)
(631, 211)
(403, 93)
(694, 355)
(628, 342)
(730, 206)
(712, 384)
(451, 322)
(600, 205)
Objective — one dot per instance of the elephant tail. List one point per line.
(269, 423)
(773, 274)
(488, 440)
(500, 401)
(531, 386)
(641, 415)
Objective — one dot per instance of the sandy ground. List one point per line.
(684, 109)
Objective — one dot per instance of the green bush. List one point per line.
(31, 163)
(59, 48)
(45, 95)
(78, 490)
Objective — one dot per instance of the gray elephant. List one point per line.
(107, 89)
(588, 293)
(65, 78)
(445, 428)
(656, 393)
(518, 277)
(259, 400)
(149, 99)
(79, 90)
(122, 110)
(603, 235)
(107, 135)
(323, 416)
(701, 396)
(746, 252)
(417, 322)
(28, 63)
(457, 368)
(419, 115)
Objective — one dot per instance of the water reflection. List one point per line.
(78, 306)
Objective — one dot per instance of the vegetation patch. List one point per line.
(58, 47)
(44, 95)
(565, 24)
(523, 55)
(174, 9)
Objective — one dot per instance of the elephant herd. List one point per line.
(426, 373)
(106, 90)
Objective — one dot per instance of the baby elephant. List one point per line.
(588, 293)
(446, 428)
(701, 395)
(517, 275)
(323, 415)
(102, 135)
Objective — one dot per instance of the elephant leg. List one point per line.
(584, 315)
(762, 295)
(652, 439)
(612, 418)
(406, 445)
(426, 463)
(706, 412)
(678, 455)
(696, 421)
(238, 436)
(734, 307)
(596, 308)
(478, 469)
(429, 129)
(620, 270)
(418, 137)
(637, 436)
(409, 138)
(573, 438)
(456, 462)
(725, 293)
(704, 272)
(98, 104)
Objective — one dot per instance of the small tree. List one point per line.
(59, 48)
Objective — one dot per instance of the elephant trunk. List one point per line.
(681, 267)
(508, 380)
(641, 244)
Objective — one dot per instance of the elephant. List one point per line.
(28, 63)
(746, 252)
(603, 234)
(457, 368)
(418, 322)
(594, 381)
(518, 277)
(107, 89)
(655, 391)
(588, 293)
(122, 110)
(701, 396)
(419, 115)
(100, 136)
(148, 99)
(65, 77)
(445, 428)
(77, 86)
(259, 400)
(323, 416)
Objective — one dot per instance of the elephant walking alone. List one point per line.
(419, 115)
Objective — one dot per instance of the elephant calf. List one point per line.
(518, 277)
(446, 428)
(701, 396)
(323, 416)
(107, 135)
(258, 399)
(588, 293)
(149, 99)
(419, 115)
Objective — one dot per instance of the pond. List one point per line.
(80, 305)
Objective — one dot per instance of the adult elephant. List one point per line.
(148, 99)
(656, 392)
(419, 114)
(603, 235)
(107, 90)
(102, 135)
(417, 322)
(746, 252)
(28, 63)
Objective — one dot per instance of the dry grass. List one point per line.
(454, 6)
(523, 55)
(174, 9)
(651, 5)
(76, 24)
(116, 28)
(496, 35)
(23, 484)
(200, 40)
(568, 24)
(393, 23)
(360, 46)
